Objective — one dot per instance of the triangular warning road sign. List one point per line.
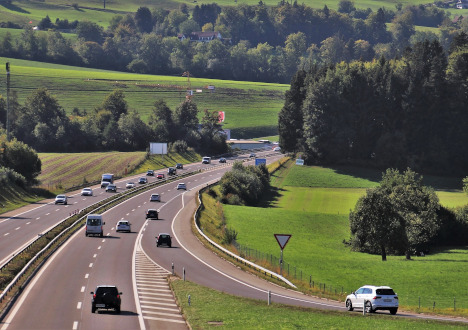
(282, 239)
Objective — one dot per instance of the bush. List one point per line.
(230, 236)
(179, 146)
(8, 176)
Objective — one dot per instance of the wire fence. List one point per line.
(306, 280)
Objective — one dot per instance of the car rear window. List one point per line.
(102, 290)
(385, 292)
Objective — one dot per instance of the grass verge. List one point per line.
(210, 308)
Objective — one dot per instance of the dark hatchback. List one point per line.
(152, 214)
(106, 297)
(163, 239)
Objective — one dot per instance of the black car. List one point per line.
(152, 214)
(106, 297)
(179, 166)
(150, 172)
(163, 239)
(171, 171)
(222, 160)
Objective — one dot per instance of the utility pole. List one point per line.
(104, 4)
(8, 100)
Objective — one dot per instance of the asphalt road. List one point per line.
(59, 296)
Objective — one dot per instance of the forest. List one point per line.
(408, 112)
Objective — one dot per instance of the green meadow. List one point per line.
(213, 309)
(251, 108)
(24, 11)
(312, 204)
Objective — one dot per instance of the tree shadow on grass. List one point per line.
(270, 197)
(13, 7)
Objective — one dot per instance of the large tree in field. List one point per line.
(161, 122)
(185, 119)
(115, 103)
(375, 225)
(400, 215)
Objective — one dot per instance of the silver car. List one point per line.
(61, 199)
(155, 198)
(87, 192)
(124, 225)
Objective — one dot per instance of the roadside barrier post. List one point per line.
(172, 268)
(269, 297)
(183, 271)
(189, 300)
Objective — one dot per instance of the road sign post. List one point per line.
(282, 240)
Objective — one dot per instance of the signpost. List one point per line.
(299, 161)
(259, 161)
(282, 240)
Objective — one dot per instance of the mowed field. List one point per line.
(24, 11)
(251, 108)
(313, 205)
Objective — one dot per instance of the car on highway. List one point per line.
(171, 171)
(206, 160)
(124, 225)
(373, 298)
(222, 160)
(160, 176)
(155, 198)
(130, 185)
(61, 199)
(181, 186)
(179, 166)
(87, 192)
(111, 188)
(163, 238)
(142, 180)
(252, 155)
(106, 297)
(150, 173)
(152, 214)
(277, 149)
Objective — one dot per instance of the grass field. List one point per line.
(212, 309)
(65, 170)
(251, 108)
(312, 204)
(24, 11)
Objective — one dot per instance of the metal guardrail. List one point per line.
(233, 255)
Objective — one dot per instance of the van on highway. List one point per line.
(206, 160)
(94, 225)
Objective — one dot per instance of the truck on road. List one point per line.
(106, 179)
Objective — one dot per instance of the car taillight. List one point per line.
(94, 296)
(376, 297)
(118, 296)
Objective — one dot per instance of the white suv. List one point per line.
(373, 298)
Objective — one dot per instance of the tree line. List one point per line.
(42, 124)
(407, 112)
(261, 43)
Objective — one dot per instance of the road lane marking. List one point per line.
(90, 265)
(28, 222)
(78, 306)
(75, 325)
(83, 288)
(38, 218)
(99, 247)
(6, 234)
(86, 276)
(94, 256)
(47, 213)
(17, 228)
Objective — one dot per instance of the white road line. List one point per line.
(57, 210)
(78, 306)
(75, 325)
(86, 276)
(94, 256)
(47, 213)
(6, 234)
(90, 265)
(103, 240)
(38, 218)
(17, 228)
(28, 222)
(83, 288)
(99, 247)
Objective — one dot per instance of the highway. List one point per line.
(59, 295)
